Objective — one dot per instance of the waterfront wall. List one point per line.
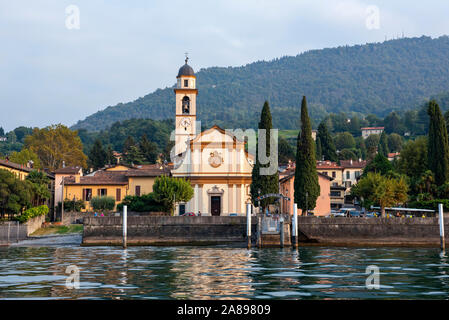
(371, 231)
(69, 218)
(167, 230)
(11, 231)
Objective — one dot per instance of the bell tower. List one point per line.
(185, 93)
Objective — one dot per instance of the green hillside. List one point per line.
(373, 78)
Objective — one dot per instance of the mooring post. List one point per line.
(259, 230)
(295, 226)
(17, 231)
(125, 224)
(9, 228)
(248, 224)
(281, 226)
(441, 221)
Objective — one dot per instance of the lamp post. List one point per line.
(307, 195)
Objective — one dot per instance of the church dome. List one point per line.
(186, 70)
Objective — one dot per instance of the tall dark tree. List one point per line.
(261, 182)
(129, 142)
(327, 143)
(97, 155)
(383, 145)
(438, 146)
(379, 164)
(307, 188)
(319, 150)
(110, 159)
(286, 151)
(148, 149)
(2, 132)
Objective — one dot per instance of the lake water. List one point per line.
(37, 271)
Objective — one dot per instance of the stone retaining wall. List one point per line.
(166, 230)
(370, 231)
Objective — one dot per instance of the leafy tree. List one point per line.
(379, 164)
(98, 157)
(307, 188)
(144, 203)
(347, 154)
(39, 186)
(15, 194)
(379, 189)
(72, 205)
(148, 149)
(395, 142)
(22, 132)
(383, 145)
(360, 145)
(134, 156)
(55, 145)
(327, 143)
(438, 146)
(372, 142)
(260, 181)
(25, 156)
(392, 123)
(167, 190)
(344, 140)
(129, 142)
(286, 151)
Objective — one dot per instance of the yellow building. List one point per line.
(332, 170)
(117, 182)
(19, 170)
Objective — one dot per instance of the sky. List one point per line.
(61, 61)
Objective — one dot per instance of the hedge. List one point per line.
(32, 213)
(103, 203)
(430, 204)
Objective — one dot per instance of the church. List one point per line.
(214, 161)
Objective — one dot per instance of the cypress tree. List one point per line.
(148, 149)
(383, 145)
(328, 149)
(307, 188)
(319, 152)
(438, 146)
(265, 183)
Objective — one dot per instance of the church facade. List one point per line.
(214, 161)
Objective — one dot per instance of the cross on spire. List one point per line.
(187, 57)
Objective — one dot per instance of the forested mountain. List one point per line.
(374, 78)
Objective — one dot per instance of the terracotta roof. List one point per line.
(353, 164)
(327, 165)
(13, 165)
(292, 175)
(373, 128)
(147, 172)
(68, 170)
(100, 178)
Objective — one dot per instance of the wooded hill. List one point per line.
(373, 78)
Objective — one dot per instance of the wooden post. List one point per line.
(17, 231)
(9, 227)
(441, 222)
(259, 230)
(281, 226)
(125, 225)
(248, 224)
(295, 226)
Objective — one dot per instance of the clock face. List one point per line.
(185, 122)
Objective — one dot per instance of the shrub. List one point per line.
(73, 206)
(32, 213)
(144, 203)
(103, 203)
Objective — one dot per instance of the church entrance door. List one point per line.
(215, 203)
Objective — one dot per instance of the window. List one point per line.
(335, 194)
(182, 209)
(186, 83)
(185, 105)
(138, 191)
(325, 173)
(118, 195)
(348, 175)
(334, 174)
(357, 174)
(102, 192)
(87, 194)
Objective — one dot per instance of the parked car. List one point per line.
(233, 214)
(354, 214)
(188, 214)
(370, 215)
